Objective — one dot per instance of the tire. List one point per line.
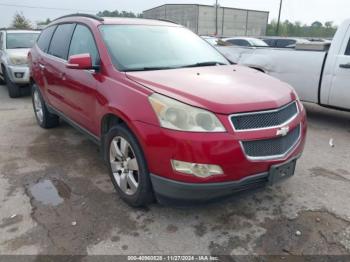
(2, 81)
(44, 118)
(124, 179)
(13, 89)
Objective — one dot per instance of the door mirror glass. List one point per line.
(82, 62)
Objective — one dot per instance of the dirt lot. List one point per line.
(56, 198)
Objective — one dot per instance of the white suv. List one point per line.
(14, 48)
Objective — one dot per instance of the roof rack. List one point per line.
(82, 15)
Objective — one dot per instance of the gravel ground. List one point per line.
(56, 198)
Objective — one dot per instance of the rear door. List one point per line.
(55, 67)
(79, 89)
(340, 89)
(38, 59)
(1, 52)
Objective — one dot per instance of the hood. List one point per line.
(20, 52)
(220, 89)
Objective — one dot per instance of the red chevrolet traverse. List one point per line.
(174, 119)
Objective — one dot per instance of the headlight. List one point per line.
(300, 103)
(175, 115)
(18, 60)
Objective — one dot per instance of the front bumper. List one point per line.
(19, 74)
(174, 190)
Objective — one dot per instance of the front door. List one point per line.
(80, 85)
(340, 90)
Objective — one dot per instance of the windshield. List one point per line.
(142, 47)
(20, 40)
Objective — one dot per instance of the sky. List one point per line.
(306, 11)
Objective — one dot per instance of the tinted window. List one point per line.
(83, 42)
(239, 42)
(45, 38)
(60, 41)
(347, 52)
(270, 42)
(285, 42)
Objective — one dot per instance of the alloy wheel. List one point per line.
(124, 165)
(38, 106)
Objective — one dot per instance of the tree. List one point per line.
(116, 13)
(329, 24)
(21, 22)
(317, 24)
(46, 22)
(297, 29)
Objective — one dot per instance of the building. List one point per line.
(202, 19)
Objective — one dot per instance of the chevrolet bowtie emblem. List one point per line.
(283, 131)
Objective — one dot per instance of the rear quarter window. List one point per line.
(61, 40)
(45, 38)
(347, 51)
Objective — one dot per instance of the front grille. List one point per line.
(271, 148)
(265, 119)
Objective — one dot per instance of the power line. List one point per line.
(46, 8)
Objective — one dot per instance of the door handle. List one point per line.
(42, 67)
(346, 66)
(63, 76)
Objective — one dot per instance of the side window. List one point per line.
(269, 42)
(1, 40)
(60, 41)
(238, 42)
(83, 43)
(347, 51)
(45, 38)
(285, 43)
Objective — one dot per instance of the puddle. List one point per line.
(50, 192)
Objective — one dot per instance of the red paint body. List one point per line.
(86, 98)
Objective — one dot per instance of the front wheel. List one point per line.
(13, 89)
(127, 167)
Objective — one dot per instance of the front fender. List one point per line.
(260, 62)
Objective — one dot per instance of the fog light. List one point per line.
(19, 75)
(199, 170)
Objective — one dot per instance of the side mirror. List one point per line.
(82, 62)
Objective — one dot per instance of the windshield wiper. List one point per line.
(209, 63)
(148, 68)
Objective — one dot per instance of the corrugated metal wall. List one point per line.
(202, 19)
(186, 15)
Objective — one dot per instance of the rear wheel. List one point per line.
(127, 167)
(2, 81)
(13, 89)
(44, 118)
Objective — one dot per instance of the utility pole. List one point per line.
(216, 17)
(279, 18)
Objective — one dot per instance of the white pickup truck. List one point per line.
(320, 73)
